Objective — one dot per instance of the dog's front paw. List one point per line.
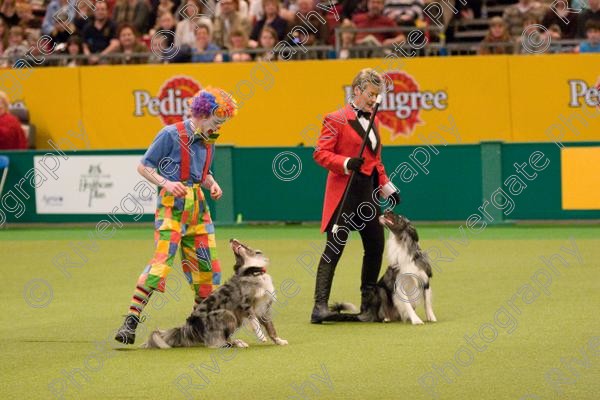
(417, 321)
(432, 319)
(240, 343)
(281, 342)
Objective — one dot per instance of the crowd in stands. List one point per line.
(160, 31)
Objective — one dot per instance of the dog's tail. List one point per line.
(183, 336)
(337, 315)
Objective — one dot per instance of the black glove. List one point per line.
(354, 164)
(396, 197)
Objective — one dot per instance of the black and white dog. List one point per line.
(405, 284)
(248, 295)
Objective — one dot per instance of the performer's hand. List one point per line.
(354, 164)
(177, 188)
(396, 197)
(215, 191)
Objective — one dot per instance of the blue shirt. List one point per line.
(164, 154)
(587, 47)
(206, 57)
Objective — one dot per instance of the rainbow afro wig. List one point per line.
(213, 101)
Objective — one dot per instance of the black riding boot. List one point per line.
(322, 289)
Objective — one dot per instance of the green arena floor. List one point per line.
(509, 325)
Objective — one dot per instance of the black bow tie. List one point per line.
(361, 113)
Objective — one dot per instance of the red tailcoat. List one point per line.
(341, 137)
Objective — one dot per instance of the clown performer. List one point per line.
(178, 162)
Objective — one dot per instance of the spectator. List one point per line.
(228, 21)
(17, 45)
(130, 46)
(99, 34)
(3, 35)
(238, 47)
(334, 8)
(515, 15)
(60, 8)
(74, 49)
(531, 40)
(306, 14)
(592, 44)
(374, 18)
(289, 10)
(204, 49)
(255, 11)
(404, 12)
(267, 41)
(497, 40)
(164, 6)
(8, 12)
(12, 136)
(166, 25)
(590, 13)
(26, 18)
(556, 17)
(271, 18)
(62, 32)
(348, 39)
(185, 31)
(85, 14)
(240, 6)
(351, 8)
(135, 12)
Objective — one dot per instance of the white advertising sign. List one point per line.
(95, 185)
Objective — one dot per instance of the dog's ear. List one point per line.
(412, 232)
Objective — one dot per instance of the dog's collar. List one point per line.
(254, 271)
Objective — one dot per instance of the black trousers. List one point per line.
(360, 213)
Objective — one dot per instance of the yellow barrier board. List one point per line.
(453, 99)
(580, 178)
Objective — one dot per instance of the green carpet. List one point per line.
(539, 321)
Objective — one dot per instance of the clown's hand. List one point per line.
(215, 191)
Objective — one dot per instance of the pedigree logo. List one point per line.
(580, 94)
(171, 102)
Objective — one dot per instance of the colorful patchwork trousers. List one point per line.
(181, 222)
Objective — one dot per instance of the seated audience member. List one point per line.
(238, 47)
(56, 9)
(288, 10)
(204, 50)
(228, 21)
(270, 18)
(8, 12)
(27, 19)
(62, 32)
(347, 40)
(556, 17)
(164, 6)
(497, 40)
(85, 14)
(185, 32)
(374, 18)
(3, 35)
(266, 42)
(515, 14)
(592, 44)
(100, 34)
(74, 49)
(532, 39)
(166, 24)
(12, 136)
(328, 10)
(134, 12)
(129, 44)
(592, 12)
(17, 45)
(307, 14)
(240, 6)
(404, 12)
(255, 11)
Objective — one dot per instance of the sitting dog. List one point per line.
(247, 295)
(404, 283)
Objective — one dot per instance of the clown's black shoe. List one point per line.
(126, 333)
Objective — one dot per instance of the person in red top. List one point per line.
(12, 136)
(337, 151)
(374, 18)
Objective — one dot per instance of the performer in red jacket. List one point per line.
(12, 136)
(337, 149)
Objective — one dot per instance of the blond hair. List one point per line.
(4, 98)
(365, 76)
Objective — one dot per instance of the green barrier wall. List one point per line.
(447, 186)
